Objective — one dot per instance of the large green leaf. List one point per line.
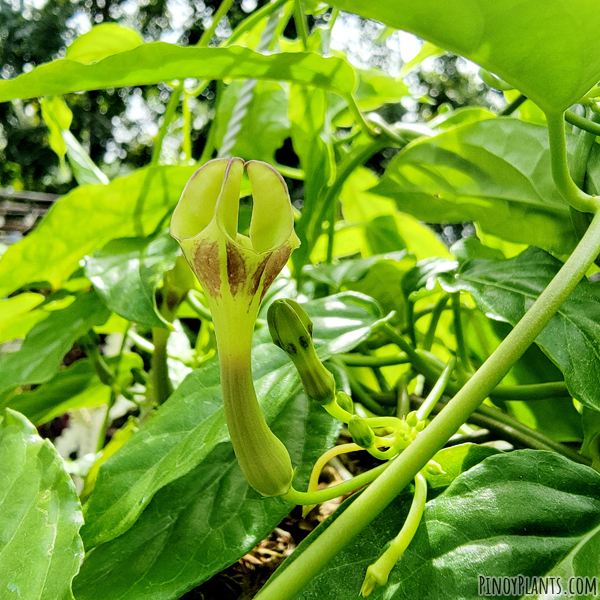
(188, 427)
(40, 547)
(126, 273)
(201, 523)
(531, 513)
(505, 289)
(495, 172)
(159, 61)
(86, 219)
(46, 344)
(548, 49)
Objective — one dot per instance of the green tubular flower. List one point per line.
(235, 272)
(291, 330)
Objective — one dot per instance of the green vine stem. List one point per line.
(357, 157)
(404, 468)
(508, 393)
(512, 430)
(300, 21)
(510, 108)
(360, 360)
(167, 119)
(378, 572)
(221, 12)
(435, 319)
(582, 123)
(159, 373)
(461, 348)
(335, 491)
(560, 167)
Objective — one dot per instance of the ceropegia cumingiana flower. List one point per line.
(235, 271)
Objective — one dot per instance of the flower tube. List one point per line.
(235, 271)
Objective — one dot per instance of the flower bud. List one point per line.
(345, 402)
(412, 419)
(291, 330)
(361, 433)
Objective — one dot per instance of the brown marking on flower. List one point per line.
(276, 262)
(236, 268)
(258, 275)
(208, 267)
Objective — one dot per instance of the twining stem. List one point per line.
(510, 108)
(461, 348)
(221, 12)
(435, 319)
(404, 468)
(379, 571)
(335, 491)
(512, 430)
(320, 464)
(560, 167)
(159, 372)
(360, 360)
(300, 21)
(436, 392)
(167, 119)
(582, 123)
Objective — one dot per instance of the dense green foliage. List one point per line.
(101, 317)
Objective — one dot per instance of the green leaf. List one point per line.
(505, 289)
(591, 436)
(499, 36)
(265, 127)
(72, 388)
(422, 278)
(102, 41)
(495, 172)
(86, 219)
(47, 343)
(355, 269)
(308, 109)
(58, 117)
(529, 512)
(375, 88)
(202, 522)
(40, 547)
(126, 273)
(461, 116)
(17, 316)
(454, 461)
(158, 61)
(188, 427)
(84, 169)
(360, 207)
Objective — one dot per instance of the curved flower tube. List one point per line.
(235, 271)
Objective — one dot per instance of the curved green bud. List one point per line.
(361, 433)
(412, 419)
(345, 402)
(291, 330)
(235, 271)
